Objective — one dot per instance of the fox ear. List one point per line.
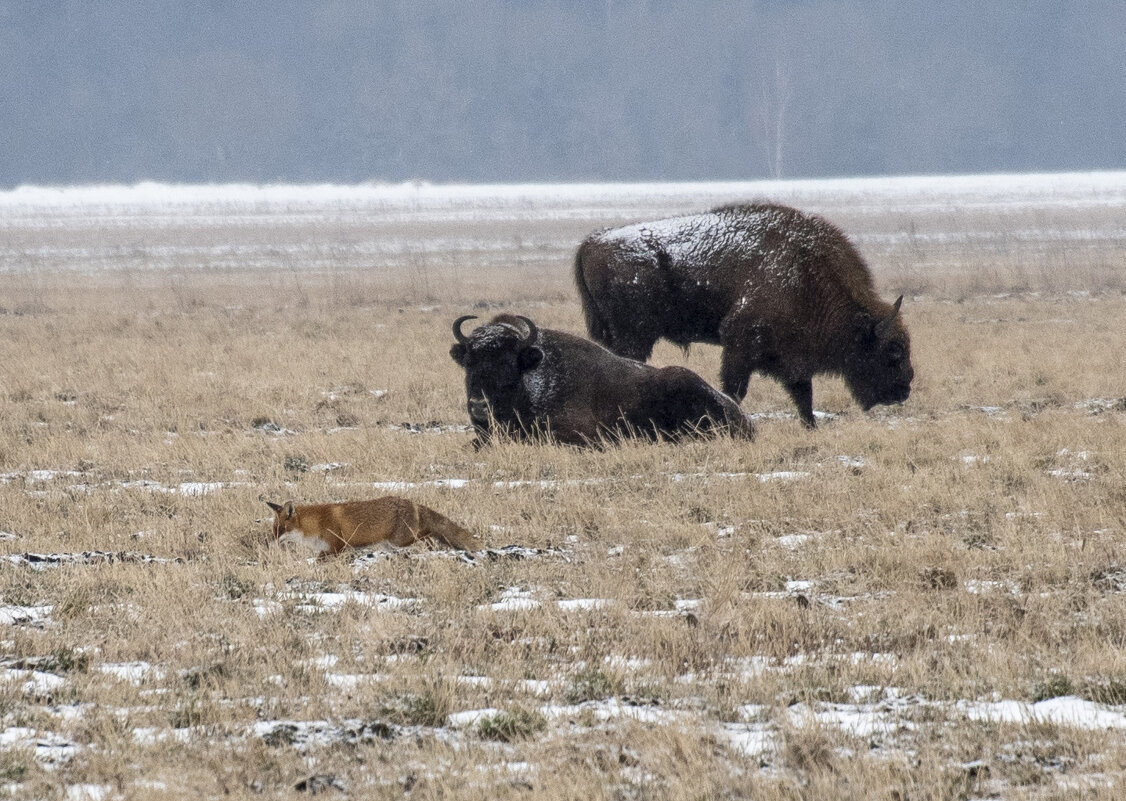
(276, 507)
(289, 510)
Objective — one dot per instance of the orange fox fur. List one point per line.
(328, 528)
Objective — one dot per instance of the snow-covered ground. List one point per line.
(156, 226)
(152, 226)
(520, 201)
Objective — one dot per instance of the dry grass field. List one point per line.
(920, 602)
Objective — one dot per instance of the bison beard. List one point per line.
(784, 293)
(528, 382)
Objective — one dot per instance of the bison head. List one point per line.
(879, 368)
(495, 358)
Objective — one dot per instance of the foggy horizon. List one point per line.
(570, 91)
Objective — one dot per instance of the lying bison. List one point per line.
(783, 292)
(530, 382)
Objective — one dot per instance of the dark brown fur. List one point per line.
(783, 292)
(353, 524)
(529, 381)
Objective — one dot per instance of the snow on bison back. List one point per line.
(782, 292)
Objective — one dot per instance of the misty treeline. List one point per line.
(516, 90)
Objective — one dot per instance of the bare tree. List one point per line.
(770, 115)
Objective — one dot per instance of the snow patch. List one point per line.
(327, 467)
(49, 749)
(42, 561)
(35, 682)
(512, 599)
(132, 672)
(1065, 710)
(583, 604)
(470, 717)
(25, 615)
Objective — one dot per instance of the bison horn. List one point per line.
(532, 330)
(460, 337)
(883, 325)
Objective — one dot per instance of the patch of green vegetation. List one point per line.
(65, 659)
(296, 464)
(204, 676)
(430, 707)
(1053, 686)
(234, 587)
(188, 713)
(1110, 690)
(510, 725)
(590, 684)
(12, 767)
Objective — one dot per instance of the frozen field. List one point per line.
(920, 602)
(911, 225)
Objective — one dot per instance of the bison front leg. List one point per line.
(735, 370)
(801, 391)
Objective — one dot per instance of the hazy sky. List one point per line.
(515, 90)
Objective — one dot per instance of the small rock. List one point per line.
(319, 783)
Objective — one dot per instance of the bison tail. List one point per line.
(596, 325)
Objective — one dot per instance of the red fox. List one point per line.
(328, 528)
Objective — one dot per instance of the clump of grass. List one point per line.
(234, 587)
(66, 659)
(427, 707)
(280, 735)
(1110, 690)
(13, 765)
(809, 749)
(295, 463)
(190, 711)
(938, 578)
(590, 684)
(510, 725)
(87, 594)
(1052, 686)
(646, 693)
(202, 677)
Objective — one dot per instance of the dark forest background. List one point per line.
(515, 90)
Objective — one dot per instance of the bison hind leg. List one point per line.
(622, 334)
(632, 344)
(801, 390)
(746, 348)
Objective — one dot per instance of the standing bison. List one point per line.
(527, 382)
(782, 292)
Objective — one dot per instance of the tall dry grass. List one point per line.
(967, 546)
